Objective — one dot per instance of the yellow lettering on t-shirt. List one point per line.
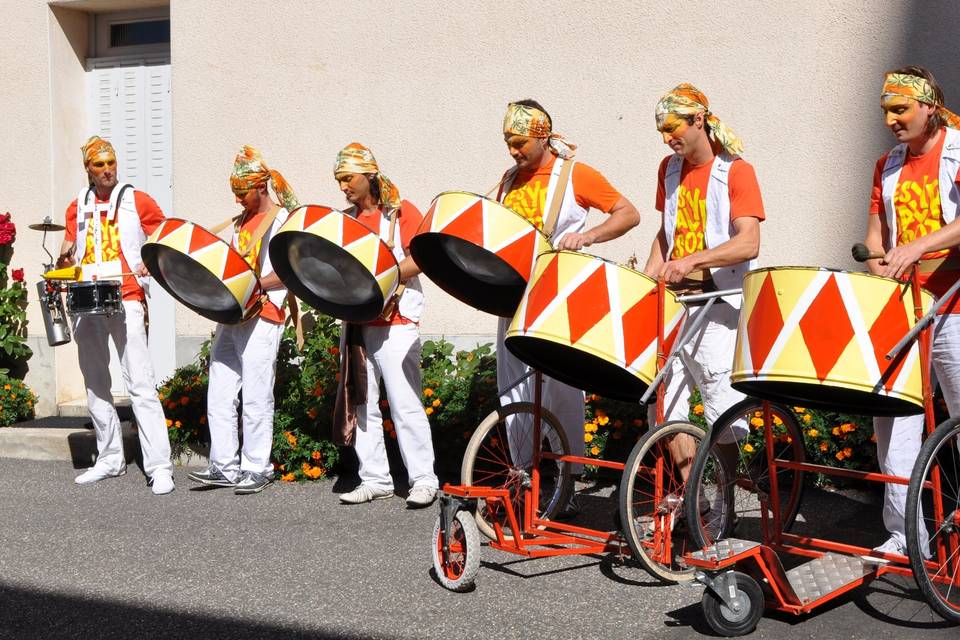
(691, 219)
(529, 200)
(918, 209)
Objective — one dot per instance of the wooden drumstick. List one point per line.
(861, 253)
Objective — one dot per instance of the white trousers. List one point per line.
(562, 400)
(705, 362)
(129, 336)
(243, 357)
(899, 439)
(393, 354)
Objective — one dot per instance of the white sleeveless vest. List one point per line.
(949, 197)
(412, 301)
(572, 218)
(719, 226)
(124, 212)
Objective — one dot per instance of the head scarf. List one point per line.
(916, 87)
(686, 100)
(250, 171)
(93, 147)
(356, 158)
(521, 120)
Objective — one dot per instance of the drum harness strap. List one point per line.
(559, 191)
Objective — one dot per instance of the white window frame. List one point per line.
(101, 33)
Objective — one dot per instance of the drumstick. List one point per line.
(861, 253)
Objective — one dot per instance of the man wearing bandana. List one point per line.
(544, 172)
(709, 236)
(243, 357)
(913, 217)
(391, 343)
(105, 228)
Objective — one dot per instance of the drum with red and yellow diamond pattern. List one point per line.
(592, 323)
(335, 263)
(819, 337)
(202, 271)
(478, 250)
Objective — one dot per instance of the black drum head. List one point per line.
(577, 368)
(469, 272)
(326, 276)
(191, 283)
(828, 398)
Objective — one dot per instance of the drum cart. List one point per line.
(744, 576)
(514, 503)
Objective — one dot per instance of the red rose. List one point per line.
(17, 275)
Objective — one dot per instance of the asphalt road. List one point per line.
(114, 561)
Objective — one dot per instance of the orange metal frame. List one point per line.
(763, 559)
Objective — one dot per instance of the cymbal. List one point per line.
(46, 226)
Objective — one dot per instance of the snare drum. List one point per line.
(592, 323)
(478, 251)
(94, 298)
(818, 338)
(335, 263)
(202, 271)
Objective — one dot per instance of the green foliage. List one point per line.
(16, 400)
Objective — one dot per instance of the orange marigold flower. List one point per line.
(748, 448)
(813, 433)
(169, 422)
(305, 467)
(698, 410)
(756, 422)
(799, 409)
(292, 439)
(288, 477)
(835, 431)
(429, 411)
(314, 472)
(807, 418)
(184, 400)
(588, 437)
(177, 424)
(334, 351)
(777, 421)
(824, 446)
(316, 455)
(428, 392)
(436, 403)
(847, 427)
(318, 389)
(6, 387)
(595, 450)
(312, 413)
(160, 396)
(848, 452)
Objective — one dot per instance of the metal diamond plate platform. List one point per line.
(814, 579)
(724, 549)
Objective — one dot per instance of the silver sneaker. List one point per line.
(365, 493)
(251, 482)
(211, 477)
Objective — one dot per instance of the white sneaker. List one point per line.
(96, 474)
(892, 545)
(365, 493)
(422, 496)
(162, 484)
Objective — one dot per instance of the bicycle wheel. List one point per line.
(933, 520)
(498, 459)
(730, 478)
(459, 571)
(651, 500)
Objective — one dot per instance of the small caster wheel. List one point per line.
(740, 615)
(459, 571)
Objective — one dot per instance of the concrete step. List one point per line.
(78, 408)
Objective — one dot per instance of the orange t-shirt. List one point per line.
(150, 218)
(408, 220)
(690, 232)
(528, 192)
(917, 200)
(243, 235)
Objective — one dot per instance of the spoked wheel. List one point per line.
(730, 477)
(458, 571)
(933, 520)
(652, 495)
(501, 457)
(741, 615)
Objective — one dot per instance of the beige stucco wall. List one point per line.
(424, 83)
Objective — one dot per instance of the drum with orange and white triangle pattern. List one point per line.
(818, 338)
(335, 263)
(202, 271)
(592, 323)
(478, 250)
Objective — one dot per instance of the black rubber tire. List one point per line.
(638, 506)
(727, 622)
(488, 462)
(940, 451)
(732, 491)
(459, 573)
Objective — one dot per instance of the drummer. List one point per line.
(391, 343)
(911, 219)
(545, 171)
(711, 211)
(105, 227)
(243, 357)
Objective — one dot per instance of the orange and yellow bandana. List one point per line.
(250, 171)
(521, 120)
(686, 100)
(916, 87)
(356, 158)
(93, 147)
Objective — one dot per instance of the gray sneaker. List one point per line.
(211, 477)
(251, 482)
